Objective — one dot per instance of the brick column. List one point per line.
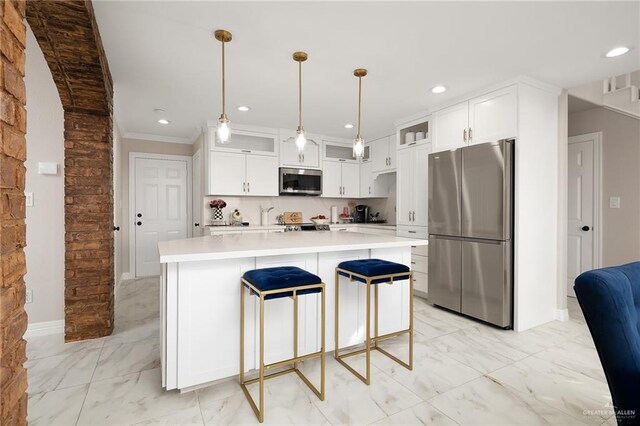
(88, 226)
(13, 122)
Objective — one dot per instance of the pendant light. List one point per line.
(358, 142)
(223, 130)
(301, 139)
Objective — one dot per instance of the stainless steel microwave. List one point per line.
(300, 181)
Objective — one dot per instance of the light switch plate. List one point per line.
(28, 199)
(47, 168)
(614, 202)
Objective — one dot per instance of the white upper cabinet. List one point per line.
(415, 132)
(227, 173)
(261, 176)
(382, 154)
(289, 155)
(350, 180)
(450, 127)
(340, 180)
(493, 116)
(486, 118)
(243, 174)
(246, 139)
(338, 151)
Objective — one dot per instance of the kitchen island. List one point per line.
(200, 299)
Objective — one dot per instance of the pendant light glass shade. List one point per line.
(358, 142)
(301, 139)
(223, 130)
(358, 147)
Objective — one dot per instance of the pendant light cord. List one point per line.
(359, 103)
(224, 113)
(300, 95)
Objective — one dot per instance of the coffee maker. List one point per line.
(361, 214)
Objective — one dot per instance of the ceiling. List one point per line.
(162, 55)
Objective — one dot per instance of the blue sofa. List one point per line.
(610, 301)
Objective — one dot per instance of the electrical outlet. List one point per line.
(29, 297)
(28, 199)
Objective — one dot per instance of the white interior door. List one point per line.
(160, 209)
(197, 198)
(581, 209)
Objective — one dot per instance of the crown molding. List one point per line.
(158, 138)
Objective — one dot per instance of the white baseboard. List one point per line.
(562, 314)
(44, 328)
(125, 276)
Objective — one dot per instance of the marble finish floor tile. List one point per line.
(486, 402)
(431, 327)
(556, 386)
(433, 372)
(134, 331)
(529, 341)
(59, 407)
(127, 358)
(132, 399)
(62, 371)
(191, 416)
(421, 414)
(286, 403)
(349, 401)
(54, 344)
(433, 313)
(577, 356)
(476, 351)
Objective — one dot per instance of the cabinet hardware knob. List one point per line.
(244, 186)
(248, 186)
(138, 223)
(246, 150)
(116, 228)
(585, 228)
(196, 224)
(412, 232)
(470, 134)
(464, 135)
(139, 215)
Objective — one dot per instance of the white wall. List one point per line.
(45, 220)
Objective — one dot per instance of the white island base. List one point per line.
(200, 299)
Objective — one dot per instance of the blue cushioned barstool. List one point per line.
(373, 271)
(273, 283)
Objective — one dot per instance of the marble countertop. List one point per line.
(333, 225)
(233, 246)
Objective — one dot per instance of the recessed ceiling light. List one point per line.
(617, 52)
(348, 126)
(243, 108)
(163, 121)
(438, 89)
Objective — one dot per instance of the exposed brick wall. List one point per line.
(88, 226)
(13, 122)
(67, 33)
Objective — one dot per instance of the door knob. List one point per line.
(138, 223)
(139, 215)
(585, 228)
(196, 224)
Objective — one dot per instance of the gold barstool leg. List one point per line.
(261, 411)
(295, 328)
(337, 317)
(322, 345)
(369, 340)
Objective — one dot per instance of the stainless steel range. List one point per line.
(306, 227)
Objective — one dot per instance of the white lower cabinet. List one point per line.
(420, 268)
(204, 319)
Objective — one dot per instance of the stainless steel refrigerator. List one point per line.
(471, 231)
